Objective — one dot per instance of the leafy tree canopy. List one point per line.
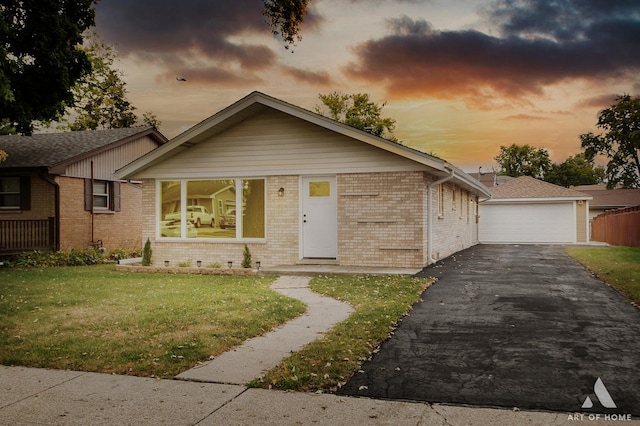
(523, 160)
(39, 62)
(575, 170)
(357, 110)
(285, 18)
(620, 142)
(100, 97)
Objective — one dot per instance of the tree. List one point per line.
(575, 170)
(523, 160)
(357, 110)
(285, 17)
(100, 98)
(619, 143)
(39, 62)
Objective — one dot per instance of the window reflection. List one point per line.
(212, 208)
(253, 208)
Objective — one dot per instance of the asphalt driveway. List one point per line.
(513, 326)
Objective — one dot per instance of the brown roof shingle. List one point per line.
(48, 149)
(528, 187)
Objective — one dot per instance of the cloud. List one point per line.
(214, 34)
(538, 44)
(320, 78)
(525, 117)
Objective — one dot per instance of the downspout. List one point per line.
(92, 215)
(430, 212)
(56, 191)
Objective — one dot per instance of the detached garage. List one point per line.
(529, 211)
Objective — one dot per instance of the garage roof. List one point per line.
(525, 188)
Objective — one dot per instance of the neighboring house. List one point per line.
(528, 210)
(299, 187)
(58, 190)
(609, 199)
(490, 179)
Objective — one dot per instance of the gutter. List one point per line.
(430, 210)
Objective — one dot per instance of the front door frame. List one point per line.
(329, 252)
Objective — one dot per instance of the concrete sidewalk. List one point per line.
(258, 355)
(31, 396)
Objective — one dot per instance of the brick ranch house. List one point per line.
(297, 187)
(58, 190)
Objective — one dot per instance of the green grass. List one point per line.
(617, 266)
(92, 318)
(328, 362)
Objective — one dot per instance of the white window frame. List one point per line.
(183, 211)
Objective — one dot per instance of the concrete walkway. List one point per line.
(260, 354)
(32, 396)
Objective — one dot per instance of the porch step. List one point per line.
(311, 261)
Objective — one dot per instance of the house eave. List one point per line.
(257, 102)
(534, 200)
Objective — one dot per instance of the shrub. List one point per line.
(38, 259)
(246, 257)
(146, 253)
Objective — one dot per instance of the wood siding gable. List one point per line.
(275, 143)
(105, 163)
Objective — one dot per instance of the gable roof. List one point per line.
(52, 150)
(525, 188)
(257, 102)
(611, 198)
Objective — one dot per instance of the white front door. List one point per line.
(319, 217)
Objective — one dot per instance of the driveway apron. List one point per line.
(512, 326)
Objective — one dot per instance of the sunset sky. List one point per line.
(461, 77)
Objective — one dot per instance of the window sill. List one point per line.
(104, 212)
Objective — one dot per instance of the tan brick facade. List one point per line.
(382, 221)
(42, 202)
(456, 228)
(121, 229)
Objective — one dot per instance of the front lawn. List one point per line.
(616, 265)
(92, 318)
(327, 363)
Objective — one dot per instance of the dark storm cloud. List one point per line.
(537, 45)
(179, 33)
(319, 78)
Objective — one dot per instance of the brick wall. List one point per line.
(121, 229)
(455, 229)
(382, 220)
(379, 219)
(42, 202)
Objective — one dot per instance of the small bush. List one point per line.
(38, 259)
(117, 254)
(146, 253)
(246, 257)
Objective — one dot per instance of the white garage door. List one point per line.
(526, 223)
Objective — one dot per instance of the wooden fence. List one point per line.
(17, 236)
(618, 227)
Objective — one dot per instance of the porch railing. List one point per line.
(17, 236)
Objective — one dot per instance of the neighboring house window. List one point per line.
(441, 200)
(102, 195)
(15, 193)
(453, 198)
(213, 209)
